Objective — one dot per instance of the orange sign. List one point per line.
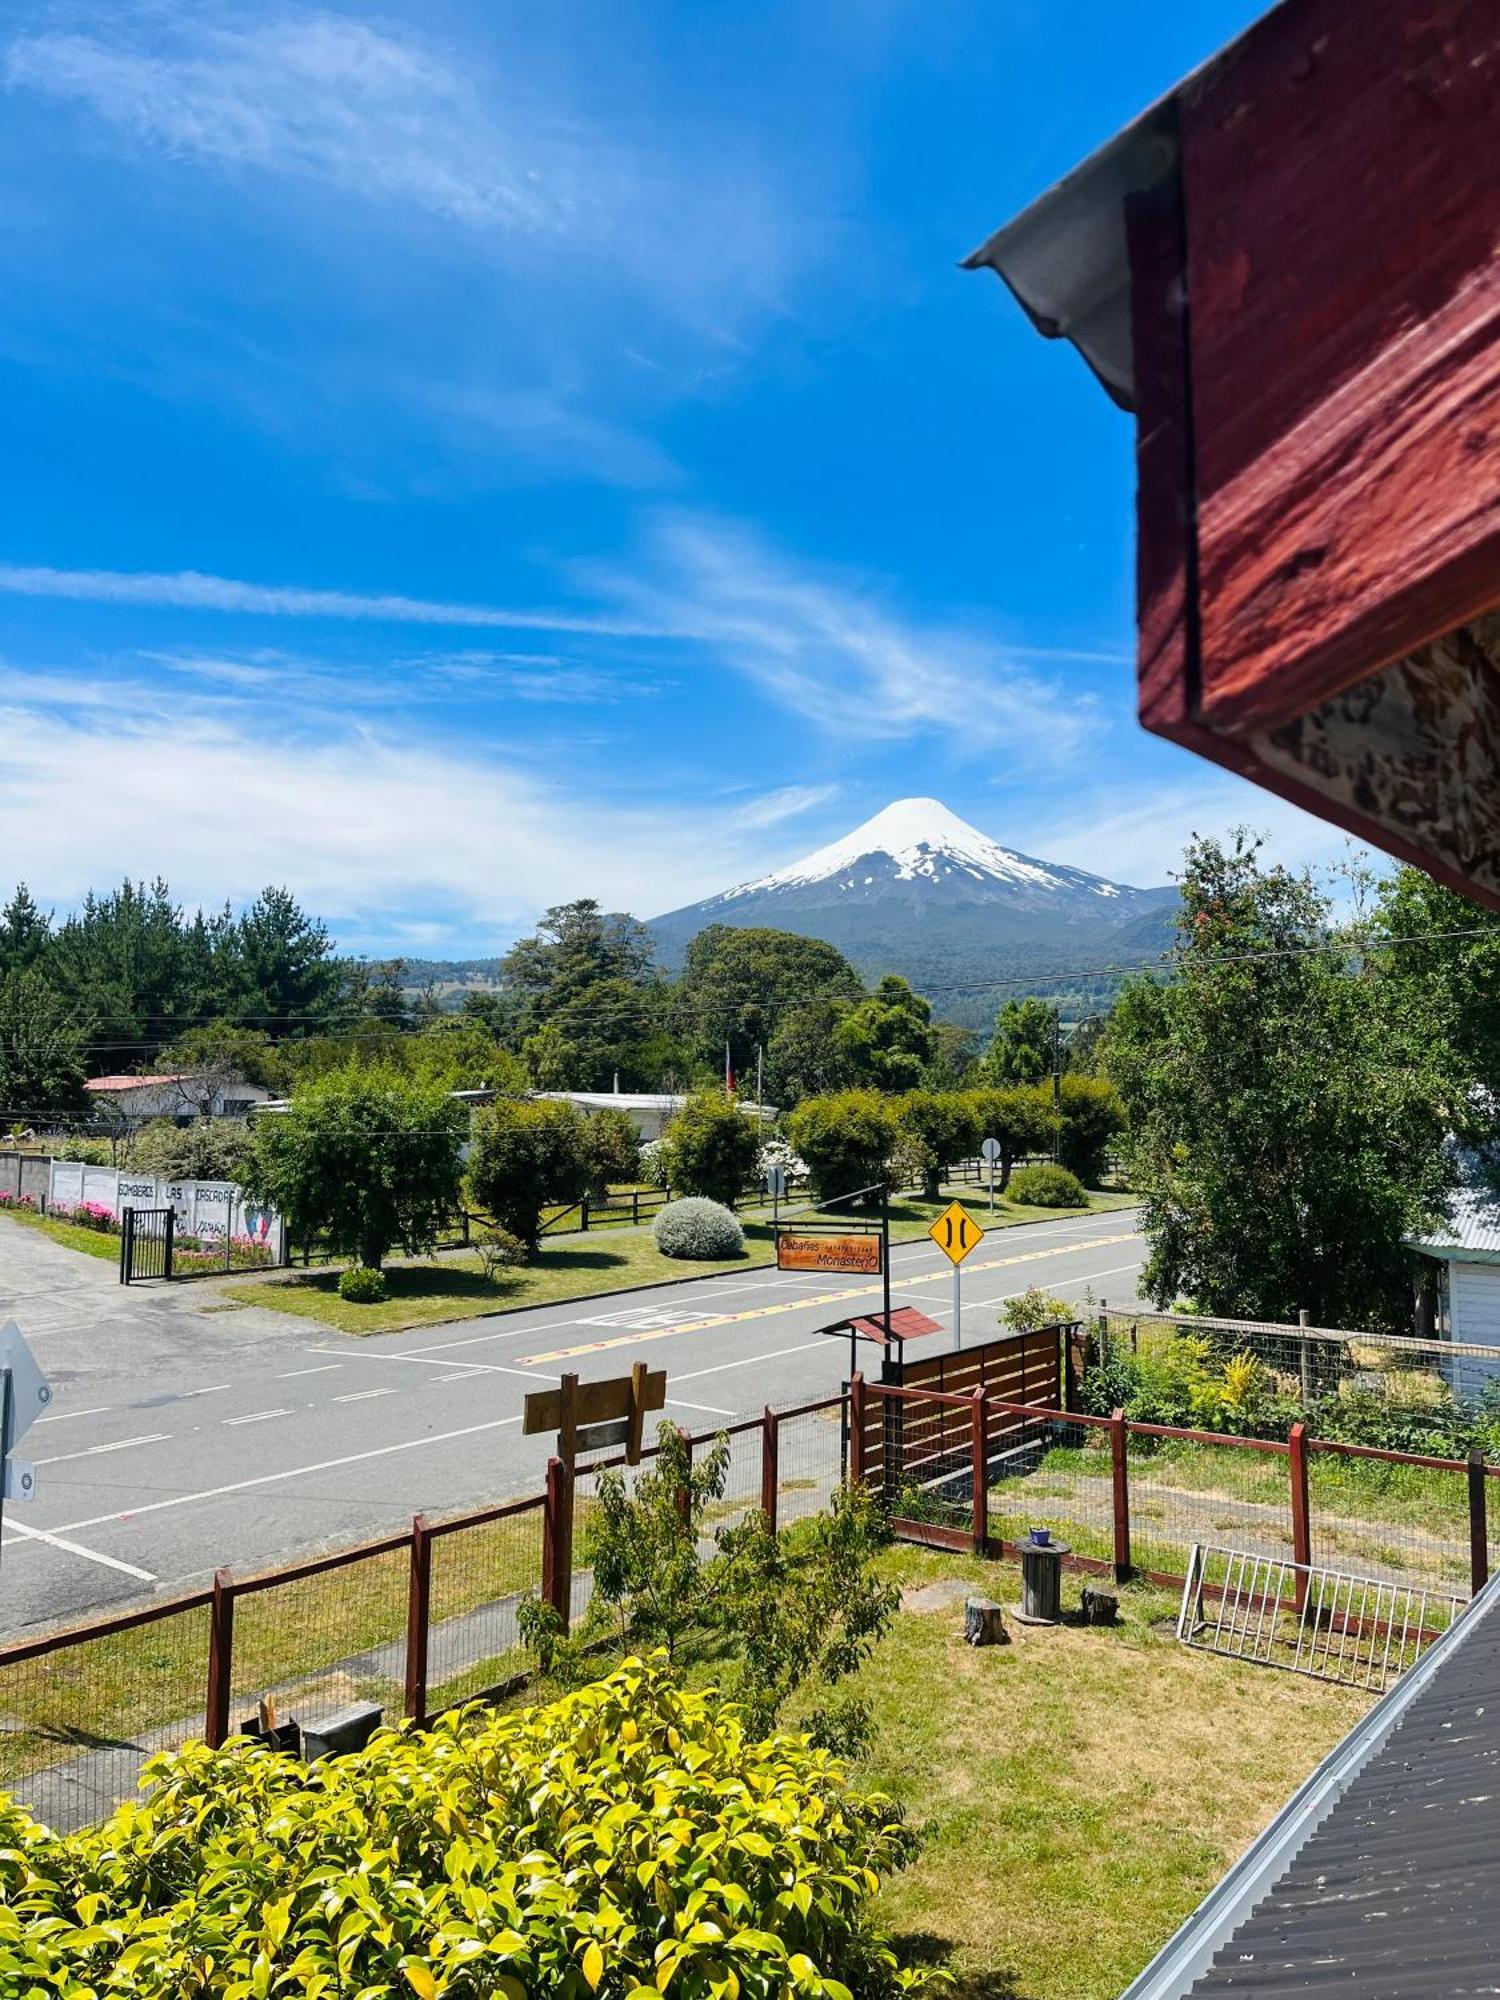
(828, 1253)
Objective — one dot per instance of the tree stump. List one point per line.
(1101, 1605)
(984, 1622)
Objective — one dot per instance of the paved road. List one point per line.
(184, 1437)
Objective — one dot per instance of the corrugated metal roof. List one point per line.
(1473, 1232)
(1380, 1879)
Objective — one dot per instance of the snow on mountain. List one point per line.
(919, 891)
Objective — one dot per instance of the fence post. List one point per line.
(127, 1217)
(1479, 1533)
(583, 1213)
(418, 1603)
(980, 1474)
(220, 1660)
(167, 1246)
(1301, 1518)
(770, 1465)
(1120, 1465)
(557, 1541)
(857, 1429)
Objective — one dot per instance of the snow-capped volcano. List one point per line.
(917, 890)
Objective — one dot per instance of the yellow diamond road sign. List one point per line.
(956, 1232)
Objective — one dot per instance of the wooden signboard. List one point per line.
(592, 1416)
(800, 1250)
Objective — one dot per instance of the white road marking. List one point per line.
(750, 1360)
(212, 1390)
(469, 1367)
(323, 1368)
(363, 1395)
(709, 1409)
(293, 1472)
(67, 1416)
(257, 1416)
(77, 1549)
(119, 1444)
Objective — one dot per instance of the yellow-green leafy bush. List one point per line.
(625, 1842)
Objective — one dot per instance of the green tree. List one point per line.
(1019, 1119)
(888, 1037)
(954, 1059)
(366, 1157)
(1022, 1048)
(551, 1059)
(526, 1156)
(715, 1148)
(939, 1128)
(43, 1051)
(287, 976)
(614, 1150)
(1287, 1106)
(1441, 958)
(848, 1140)
(459, 1053)
(210, 1149)
(214, 1057)
(739, 986)
(1092, 1118)
(575, 946)
(804, 1057)
(24, 933)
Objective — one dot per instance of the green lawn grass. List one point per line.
(1080, 1789)
(72, 1236)
(572, 1267)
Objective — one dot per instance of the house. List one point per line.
(177, 1094)
(1285, 270)
(651, 1111)
(1464, 1260)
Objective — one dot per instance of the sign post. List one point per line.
(956, 1233)
(776, 1188)
(989, 1152)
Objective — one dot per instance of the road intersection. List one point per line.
(182, 1440)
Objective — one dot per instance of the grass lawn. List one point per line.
(72, 1236)
(1080, 1789)
(574, 1267)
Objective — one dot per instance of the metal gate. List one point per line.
(146, 1236)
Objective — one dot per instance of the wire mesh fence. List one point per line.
(1057, 1474)
(743, 1480)
(481, 1571)
(926, 1457)
(1187, 1488)
(79, 1722)
(1389, 1519)
(314, 1638)
(812, 1456)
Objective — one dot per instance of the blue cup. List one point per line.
(1042, 1537)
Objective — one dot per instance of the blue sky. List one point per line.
(463, 456)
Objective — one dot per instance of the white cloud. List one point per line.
(323, 97)
(776, 808)
(380, 834)
(191, 591)
(1142, 842)
(833, 652)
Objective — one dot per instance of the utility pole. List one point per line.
(1056, 1081)
(760, 1075)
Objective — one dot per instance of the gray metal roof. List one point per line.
(1473, 1232)
(1381, 1878)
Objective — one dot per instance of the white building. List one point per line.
(1466, 1257)
(180, 1095)
(652, 1111)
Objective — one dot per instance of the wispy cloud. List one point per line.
(190, 590)
(788, 803)
(317, 96)
(1142, 842)
(834, 651)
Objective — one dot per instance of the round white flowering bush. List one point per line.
(656, 1163)
(695, 1228)
(775, 1152)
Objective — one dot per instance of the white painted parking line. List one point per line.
(469, 1367)
(14, 1527)
(424, 1443)
(363, 1395)
(323, 1368)
(119, 1444)
(257, 1416)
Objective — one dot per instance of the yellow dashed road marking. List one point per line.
(703, 1324)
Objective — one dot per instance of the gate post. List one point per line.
(418, 1603)
(980, 1473)
(127, 1220)
(1301, 1517)
(770, 1465)
(857, 1429)
(220, 1661)
(1479, 1534)
(1120, 1465)
(166, 1255)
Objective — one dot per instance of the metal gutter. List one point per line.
(1184, 1960)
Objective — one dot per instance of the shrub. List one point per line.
(1093, 1117)
(1047, 1187)
(1035, 1308)
(362, 1286)
(695, 1228)
(210, 1149)
(628, 1839)
(613, 1143)
(526, 1155)
(94, 1215)
(715, 1147)
(25, 1202)
(847, 1139)
(938, 1127)
(499, 1251)
(656, 1163)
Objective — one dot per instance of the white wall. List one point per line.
(1474, 1318)
(210, 1210)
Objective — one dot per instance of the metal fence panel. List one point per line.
(1056, 1475)
(480, 1575)
(314, 1643)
